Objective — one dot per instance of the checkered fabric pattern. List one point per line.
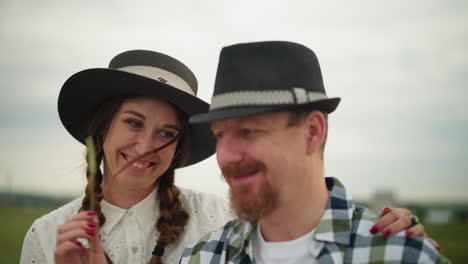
(344, 230)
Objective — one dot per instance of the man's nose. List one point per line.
(228, 150)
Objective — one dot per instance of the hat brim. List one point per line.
(326, 105)
(85, 91)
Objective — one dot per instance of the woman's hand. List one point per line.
(394, 220)
(69, 250)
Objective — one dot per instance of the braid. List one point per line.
(97, 128)
(173, 217)
(86, 204)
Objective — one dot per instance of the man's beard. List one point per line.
(262, 203)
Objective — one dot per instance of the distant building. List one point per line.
(381, 199)
(439, 216)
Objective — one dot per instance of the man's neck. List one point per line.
(298, 215)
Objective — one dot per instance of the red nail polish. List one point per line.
(374, 229)
(78, 243)
(90, 232)
(92, 224)
(386, 210)
(91, 213)
(409, 233)
(386, 232)
(437, 247)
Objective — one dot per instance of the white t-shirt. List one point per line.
(129, 235)
(301, 250)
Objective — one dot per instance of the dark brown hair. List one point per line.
(172, 217)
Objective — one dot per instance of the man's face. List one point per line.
(259, 157)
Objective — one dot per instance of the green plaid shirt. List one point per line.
(344, 230)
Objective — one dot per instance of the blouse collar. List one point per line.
(146, 211)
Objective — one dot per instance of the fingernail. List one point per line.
(386, 210)
(90, 232)
(374, 229)
(92, 224)
(437, 247)
(78, 243)
(91, 213)
(386, 232)
(409, 233)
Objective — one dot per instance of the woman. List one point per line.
(136, 113)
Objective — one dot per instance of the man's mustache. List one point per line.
(241, 169)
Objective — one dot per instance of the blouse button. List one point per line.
(129, 212)
(247, 251)
(135, 250)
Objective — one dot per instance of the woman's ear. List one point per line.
(316, 127)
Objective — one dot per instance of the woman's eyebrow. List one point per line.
(175, 127)
(135, 113)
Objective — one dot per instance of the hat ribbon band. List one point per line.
(273, 97)
(160, 75)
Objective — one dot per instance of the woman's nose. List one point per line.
(145, 143)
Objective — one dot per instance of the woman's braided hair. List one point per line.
(172, 217)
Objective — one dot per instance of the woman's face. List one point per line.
(140, 125)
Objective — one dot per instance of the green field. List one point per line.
(15, 223)
(453, 238)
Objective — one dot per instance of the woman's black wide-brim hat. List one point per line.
(260, 77)
(135, 73)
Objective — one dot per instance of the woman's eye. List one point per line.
(134, 123)
(167, 134)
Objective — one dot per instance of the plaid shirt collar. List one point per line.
(334, 227)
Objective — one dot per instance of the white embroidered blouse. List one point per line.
(129, 235)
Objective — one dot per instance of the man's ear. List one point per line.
(316, 127)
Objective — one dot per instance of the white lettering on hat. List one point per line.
(160, 75)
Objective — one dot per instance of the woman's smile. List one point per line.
(141, 164)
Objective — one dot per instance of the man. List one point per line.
(269, 115)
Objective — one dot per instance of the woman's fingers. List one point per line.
(392, 221)
(70, 252)
(84, 225)
(417, 230)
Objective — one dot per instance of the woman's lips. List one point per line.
(139, 164)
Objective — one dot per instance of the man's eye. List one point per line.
(217, 134)
(247, 132)
(134, 123)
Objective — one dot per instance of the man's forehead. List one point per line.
(265, 118)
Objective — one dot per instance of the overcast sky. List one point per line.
(400, 67)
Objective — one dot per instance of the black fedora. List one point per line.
(135, 73)
(261, 77)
